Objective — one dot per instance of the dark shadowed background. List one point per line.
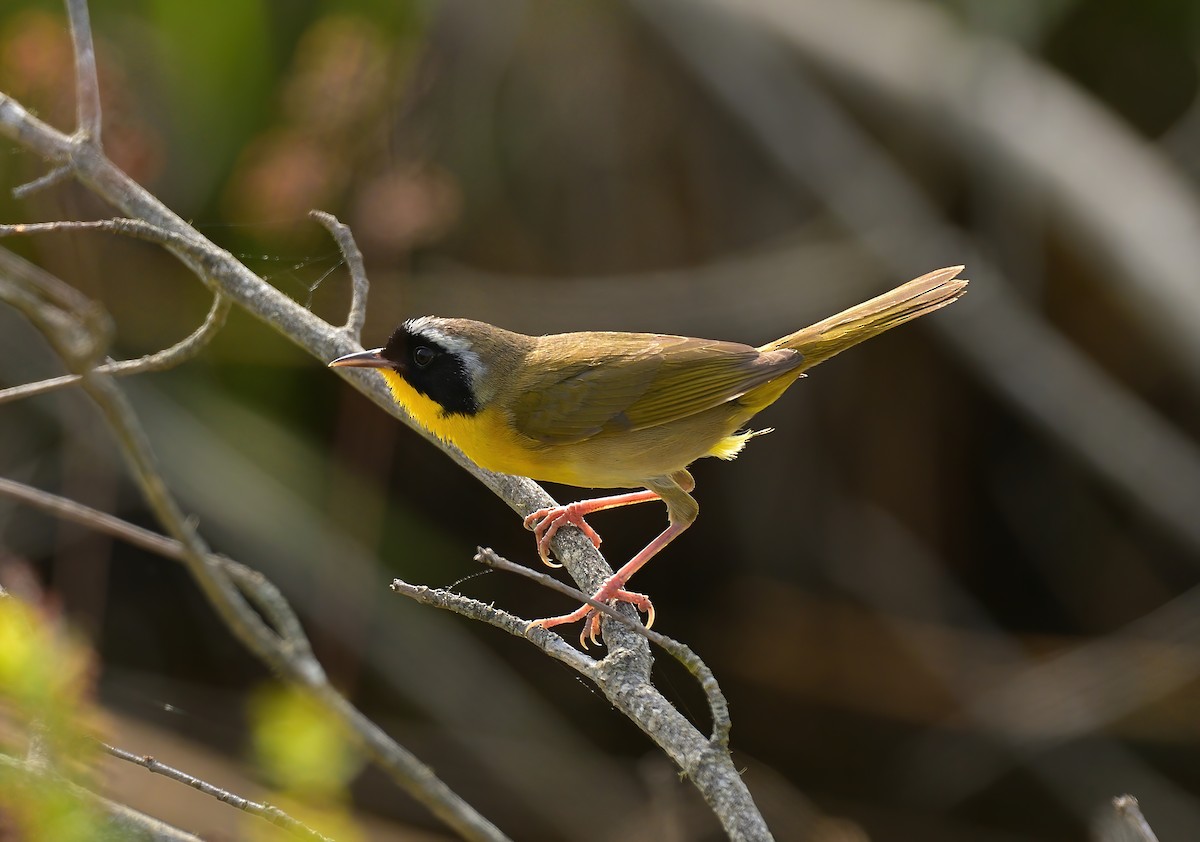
(952, 597)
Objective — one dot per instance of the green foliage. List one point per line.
(222, 68)
(44, 690)
(307, 756)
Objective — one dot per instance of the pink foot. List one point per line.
(546, 522)
(610, 590)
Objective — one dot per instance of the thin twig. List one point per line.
(137, 228)
(344, 237)
(58, 174)
(717, 704)
(288, 657)
(87, 82)
(265, 595)
(209, 575)
(266, 812)
(550, 643)
(703, 761)
(28, 292)
(1127, 817)
(124, 822)
(274, 606)
(178, 353)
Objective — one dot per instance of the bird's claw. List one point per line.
(591, 617)
(546, 522)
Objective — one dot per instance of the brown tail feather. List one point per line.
(871, 318)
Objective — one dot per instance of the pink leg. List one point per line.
(613, 588)
(546, 522)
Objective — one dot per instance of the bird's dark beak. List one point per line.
(363, 359)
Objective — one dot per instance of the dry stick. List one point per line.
(1127, 823)
(87, 82)
(266, 812)
(21, 290)
(55, 176)
(342, 235)
(702, 761)
(291, 657)
(136, 228)
(167, 358)
(551, 644)
(129, 823)
(717, 704)
(251, 581)
(713, 773)
(253, 584)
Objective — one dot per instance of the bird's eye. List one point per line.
(423, 356)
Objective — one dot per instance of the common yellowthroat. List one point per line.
(613, 410)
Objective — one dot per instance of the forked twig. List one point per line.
(356, 317)
(51, 309)
(178, 353)
(257, 588)
(717, 704)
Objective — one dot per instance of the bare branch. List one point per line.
(705, 762)
(181, 351)
(358, 274)
(1125, 823)
(260, 590)
(14, 287)
(136, 228)
(125, 821)
(178, 353)
(17, 124)
(717, 704)
(266, 812)
(87, 82)
(290, 658)
(58, 174)
(550, 643)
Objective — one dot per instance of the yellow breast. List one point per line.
(486, 437)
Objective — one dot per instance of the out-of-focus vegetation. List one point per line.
(308, 761)
(952, 597)
(46, 717)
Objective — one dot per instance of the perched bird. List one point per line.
(613, 410)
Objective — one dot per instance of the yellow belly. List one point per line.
(619, 459)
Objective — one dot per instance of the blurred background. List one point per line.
(953, 597)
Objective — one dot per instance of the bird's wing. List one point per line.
(636, 381)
